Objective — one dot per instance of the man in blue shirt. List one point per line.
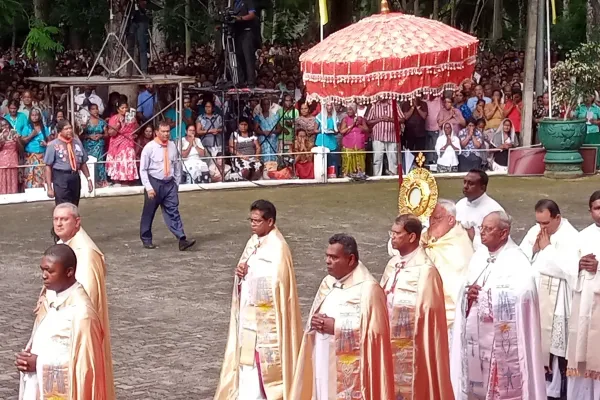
(146, 101)
(472, 102)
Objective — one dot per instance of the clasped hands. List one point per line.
(323, 324)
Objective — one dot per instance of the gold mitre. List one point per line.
(418, 192)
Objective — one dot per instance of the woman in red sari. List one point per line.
(120, 160)
(304, 162)
(10, 146)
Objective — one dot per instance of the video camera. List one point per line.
(227, 16)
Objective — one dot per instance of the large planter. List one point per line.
(562, 141)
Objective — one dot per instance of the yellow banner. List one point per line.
(323, 12)
(553, 12)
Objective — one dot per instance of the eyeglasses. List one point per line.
(256, 221)
(486, 229)
(394, 234)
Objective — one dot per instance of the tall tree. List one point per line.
(528, 99)
(497, 21)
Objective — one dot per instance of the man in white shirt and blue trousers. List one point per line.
(160, 171)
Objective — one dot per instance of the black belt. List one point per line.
(69, 172)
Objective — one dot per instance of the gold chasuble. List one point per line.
(265, 327)
(419, 332)
(67, 339)
(451, 255)
(91, 273)
(356, 362)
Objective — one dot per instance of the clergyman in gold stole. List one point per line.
(265, 328)
(418, 328)
(346, 352)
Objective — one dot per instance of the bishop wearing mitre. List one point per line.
(418, 327)
(265, 326)
(346, 352)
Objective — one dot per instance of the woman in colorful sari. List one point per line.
(307, 123)
(267, 129)
(93, 137)
(355, 130)
(16, 119)
(10, 146)
(120, 160)
(34, 137)
(305, 168)
(504, 139)
(327, 136)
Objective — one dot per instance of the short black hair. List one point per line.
(547, 204)
(63, 254)
(267, 209)
(347, 242)
(594, 197)
(62, 124)
(410, 223)
(483, 177)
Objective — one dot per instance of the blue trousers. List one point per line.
(168, 200)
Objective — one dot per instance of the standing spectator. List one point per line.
(172, 116)
(267, 127)
(307, 123)
(450, 114)
(146, 102)
(160, 171)
(35, 137)
(543, 109)
(381, 121)
(355, 131)
(290, 114)
(94, 135)
(589, 111)
(137, 33)
(513, 110)
(328, 136)
(26, 103)
(460, 99)
(10, 146)
(494, 111)
(209, 127)
(245, 41)
(64, 158)
(504, 139)
(479, 112)
(142, 140)
(120, 160)
(416, 113)
(59, 116)
(246, 148)
(470, 142)
(85, 100)
(447, 148)
(16, 119)
(192, 152)
(473, 101)
(432, 127)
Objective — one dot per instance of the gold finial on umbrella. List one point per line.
(385, 8)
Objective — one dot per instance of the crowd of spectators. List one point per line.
(275, 133)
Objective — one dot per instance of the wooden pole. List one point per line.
(528, 98)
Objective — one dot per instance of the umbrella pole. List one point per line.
(398, 142)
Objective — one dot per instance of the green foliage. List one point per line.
(291, 26)
(86, 17)
(9, 10)
(41, 42)
(577, 76)
(569, 31)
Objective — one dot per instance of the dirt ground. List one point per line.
(169, 310)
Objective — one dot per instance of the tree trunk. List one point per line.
(40, 12)
(589, 20)
(417, 8)
(453, 13)
(528, 99)
(188, 36)
(436, 9)
(522, 22)
(565, 10)
(13, 44)
(274, 27)
(497, 21)
(340, 15)
(478, 7)
(540, 49)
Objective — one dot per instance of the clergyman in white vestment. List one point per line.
(551, 246)
(496, 347)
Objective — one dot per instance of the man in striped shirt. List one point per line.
(381, 121)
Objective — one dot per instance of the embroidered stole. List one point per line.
(402, 301)
(347, 351)
(491, 369)
(548, 297)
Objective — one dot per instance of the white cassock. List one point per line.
(471, 214)
(496, 349)
(556, 268)
(583, 374)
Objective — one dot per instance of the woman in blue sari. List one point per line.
(93, 142)
(34, 136)
(268, 128)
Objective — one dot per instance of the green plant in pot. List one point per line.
(574, 81)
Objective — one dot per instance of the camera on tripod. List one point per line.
(227, 16)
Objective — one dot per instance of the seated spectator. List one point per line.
(460, 102)
(209, 126)
(219, 171)
(192, 151)
(307, 123)
(470, 142)
(305, 168)
(10, 146)
(504, 139)
(244, 146)
(142, 140)
(494, 111)
(479, 112)
(447, 148)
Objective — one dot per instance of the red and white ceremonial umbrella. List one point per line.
(388, 56)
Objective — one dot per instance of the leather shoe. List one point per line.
(185, 244)
(149, 246)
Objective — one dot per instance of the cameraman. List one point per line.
(245, 16)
